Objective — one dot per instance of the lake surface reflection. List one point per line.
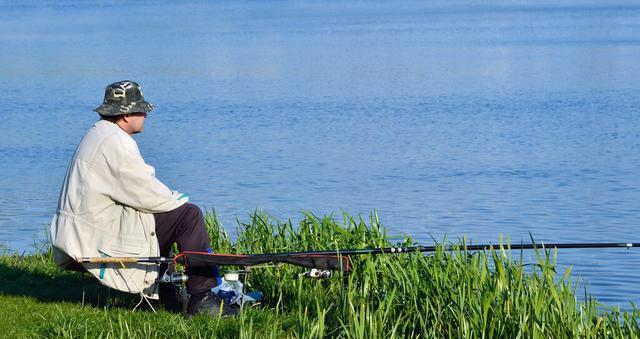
(465, 119)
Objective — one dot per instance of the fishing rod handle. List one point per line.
(124, 260)
(108, 260)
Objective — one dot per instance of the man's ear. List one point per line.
(125, 118)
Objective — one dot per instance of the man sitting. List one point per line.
(112, 205)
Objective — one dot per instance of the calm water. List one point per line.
(471, 119)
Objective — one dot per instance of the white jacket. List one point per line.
(105, 209)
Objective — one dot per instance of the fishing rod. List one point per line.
(329, 259)
(320, 263)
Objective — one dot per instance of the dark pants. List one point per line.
(185, 226)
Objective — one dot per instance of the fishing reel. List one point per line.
(315, 273)
(177, 278)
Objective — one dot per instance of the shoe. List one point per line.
(211, 304)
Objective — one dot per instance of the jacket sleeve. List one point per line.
(133, 182)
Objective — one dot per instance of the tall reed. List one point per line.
(458, 293)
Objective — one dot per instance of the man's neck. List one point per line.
(119, 124)
(123, 126)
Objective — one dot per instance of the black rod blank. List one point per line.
(464, 247)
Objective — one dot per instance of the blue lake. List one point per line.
(463, 118)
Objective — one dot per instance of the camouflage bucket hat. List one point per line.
(123, 97)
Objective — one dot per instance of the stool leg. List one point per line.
(108, 302)
(84, 285)
(98, 295)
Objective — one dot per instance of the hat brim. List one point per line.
(108, 109)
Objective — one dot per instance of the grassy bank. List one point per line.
(445, 294)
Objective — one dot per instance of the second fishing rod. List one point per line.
(399, 249)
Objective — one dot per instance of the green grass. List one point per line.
(455, 294)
